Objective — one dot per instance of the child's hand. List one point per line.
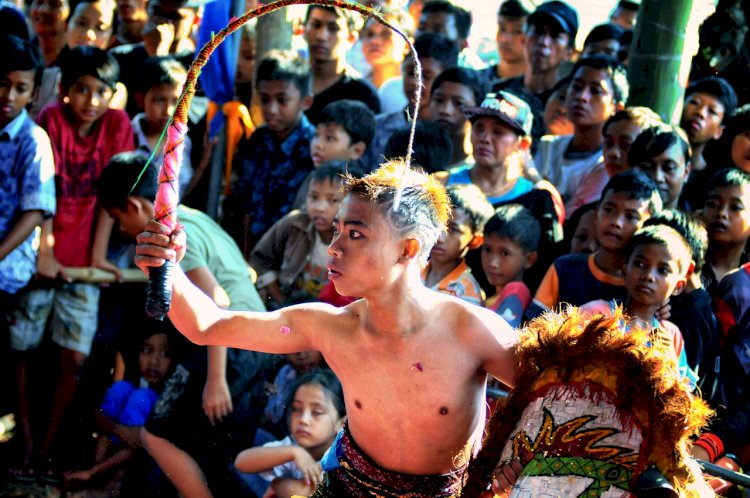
(155, 246)
(217, 401)
(106, 265)
(664, 312)
(48, 266)
(311, 470)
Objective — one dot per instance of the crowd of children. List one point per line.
(561, 194)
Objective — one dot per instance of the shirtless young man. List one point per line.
(413, 362)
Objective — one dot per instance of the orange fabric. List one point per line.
(238, 125)
(604, 277)
(548, 293)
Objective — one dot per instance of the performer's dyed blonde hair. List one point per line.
(423, 209)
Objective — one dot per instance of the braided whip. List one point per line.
(159, 288)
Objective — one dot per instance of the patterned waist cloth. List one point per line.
(356, 475)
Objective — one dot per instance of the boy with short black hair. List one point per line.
(691, 309)
(628, 200)
(449, 19)
(388, 348)
(603, 39)
(511, 38)
(447, 272)
(160, 88)
(726, 214)
(511, 238)
(329, 33)
(27, 170)
(291, 256)
(658, 261)
(454, 89)
(202, 419)
(709, 103)
(84, 133)
(275, 160)
(344, 132)
(598, 88)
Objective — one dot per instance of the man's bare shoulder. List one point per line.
(472, 321)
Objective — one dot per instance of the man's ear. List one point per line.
(476, 241)
(307, 101)
(690, 270)
(411, 249)
(531, 258)
(356, 150)
(133, 205)
(719, 133)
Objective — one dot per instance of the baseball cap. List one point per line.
(505, 106)
(561, 13)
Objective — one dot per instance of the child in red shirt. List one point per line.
(84, 133)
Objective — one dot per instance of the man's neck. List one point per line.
(325, 73)
(459, 147)
(131, 32)
(540, 82)
(725, 258)
(587, 138)
(397, 311)
(610, 263)
(508, 69)
(697, 160)
(51, 46)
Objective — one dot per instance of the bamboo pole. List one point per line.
(657, 69)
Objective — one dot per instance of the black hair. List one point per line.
(432, 148)
(467, 77)
(88, 61)
(353, 19)
(20, 55)
(637, 185)
(728, 177)
(719, 152)
(571, 224)
(162, 71)
(717, 87)
(654, 140)
(327, 380)
(515, 222)
(461, 16)
(357, 120)
(334, 171)
(602, 32)
(515, 9)
(662, 235)
(438, 47)
(629, 5)
(641, 116)
(120, 174)
(473, 202)
(617, 73)
(689, 227)
(284, 65)
(13, 22)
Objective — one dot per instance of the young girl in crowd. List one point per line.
(128, 402)
(316, 413)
